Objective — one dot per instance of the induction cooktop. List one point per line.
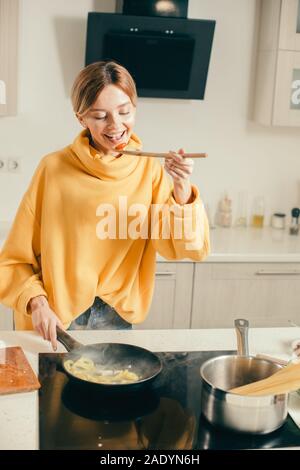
(167, 416)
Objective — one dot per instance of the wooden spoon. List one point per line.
(284, 381)
(141, 153)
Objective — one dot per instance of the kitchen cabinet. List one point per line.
(213, 294)
(289, 37)
(267, 294)
(6, 318)
(9, 27)
(277, 95)
(287, 111)
(172, 299)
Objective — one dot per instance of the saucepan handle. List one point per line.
(66, 340)
(241, 328)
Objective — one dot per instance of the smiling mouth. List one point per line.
(115, 138)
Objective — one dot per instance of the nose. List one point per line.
(113, 120)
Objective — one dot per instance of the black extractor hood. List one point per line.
(170, 8)
(167, 54)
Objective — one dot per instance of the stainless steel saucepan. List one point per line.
(256, 415)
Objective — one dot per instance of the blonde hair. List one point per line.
(93, 78)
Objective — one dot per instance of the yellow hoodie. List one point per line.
(54, 249)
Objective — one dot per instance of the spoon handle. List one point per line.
(141, 153)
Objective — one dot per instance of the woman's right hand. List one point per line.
(44, 320)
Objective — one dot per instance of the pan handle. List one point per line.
(66, 340)
(241, 329)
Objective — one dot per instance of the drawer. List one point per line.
(167, 271)
(255, 271)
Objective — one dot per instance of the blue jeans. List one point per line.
(100, 316)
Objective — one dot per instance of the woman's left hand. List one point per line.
(180, 169)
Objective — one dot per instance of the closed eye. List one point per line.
(104, 117)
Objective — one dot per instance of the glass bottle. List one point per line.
(224, 213)
(294, 228)
(258, 214)
(241, 219)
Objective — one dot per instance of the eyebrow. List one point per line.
(104, 110)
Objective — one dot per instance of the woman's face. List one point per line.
(110, 119)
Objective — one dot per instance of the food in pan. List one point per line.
(85, 369)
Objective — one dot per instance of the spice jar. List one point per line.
(278, 220)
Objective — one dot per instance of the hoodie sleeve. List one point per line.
(177, 231)
(20, 271)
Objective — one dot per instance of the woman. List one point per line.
(76, 256)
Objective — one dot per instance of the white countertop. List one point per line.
(265, 245)
(254, 245)
(249, 244)
(19, 412)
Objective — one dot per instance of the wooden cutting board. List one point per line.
(16, 374)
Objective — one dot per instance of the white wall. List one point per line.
(242, 155)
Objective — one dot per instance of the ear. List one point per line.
(81, 120)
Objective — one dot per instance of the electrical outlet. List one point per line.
(3, 165)
(14, 165)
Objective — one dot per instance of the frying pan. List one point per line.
(112, 356)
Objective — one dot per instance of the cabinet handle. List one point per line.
(289, 272)
(167, 273)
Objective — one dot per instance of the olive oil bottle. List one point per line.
(258, 214)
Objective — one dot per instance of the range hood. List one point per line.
(167, 54)
(169, 8)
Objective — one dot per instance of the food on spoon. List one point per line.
(121, 146)
(85, 369)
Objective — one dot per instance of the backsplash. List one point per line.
(242, 156)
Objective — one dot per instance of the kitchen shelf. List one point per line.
(9, 37)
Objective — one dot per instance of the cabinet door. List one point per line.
(9, 26)
(287, 90)
(265, 293)
(6, 318)
(289, 37)
(172, 299)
